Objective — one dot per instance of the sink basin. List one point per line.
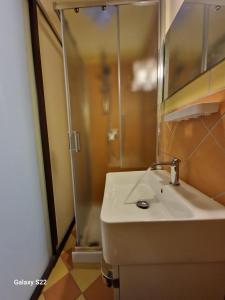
(180, 225)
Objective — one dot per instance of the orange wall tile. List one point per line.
(200, 144)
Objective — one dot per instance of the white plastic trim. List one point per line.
(193, 111)
(87, 256)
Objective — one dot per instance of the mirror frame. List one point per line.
(204, 57)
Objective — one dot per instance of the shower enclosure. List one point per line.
(110, 63)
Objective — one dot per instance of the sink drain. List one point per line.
(142, 204)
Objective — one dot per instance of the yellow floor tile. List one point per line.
(70, 243)
(57, 273)
(84, 277)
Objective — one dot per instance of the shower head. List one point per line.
(101, 16)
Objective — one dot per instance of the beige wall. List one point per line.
(55, 101)
(36, 124)
(48, 7)
(25, 238)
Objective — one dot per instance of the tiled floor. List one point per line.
(69, 281)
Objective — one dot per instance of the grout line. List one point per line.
(200, 143)
(196, 148)
(172, 156)
(217, 143)
(163, 152)
(209, 133)
(172, 135)
(174, 127)
(203, 123)
(210, 129)
(168, 126)
(212, 135)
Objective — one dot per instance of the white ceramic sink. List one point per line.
(181, 224)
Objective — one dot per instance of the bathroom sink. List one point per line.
(180, 225)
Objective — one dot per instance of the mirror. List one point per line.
(216, 35)
(183, 48)
(194, 43)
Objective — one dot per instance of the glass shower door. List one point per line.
(111, 75)
(79, 129)
(91, 67)
(138, 76)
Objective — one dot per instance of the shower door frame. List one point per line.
(59, 8)
(69, 120)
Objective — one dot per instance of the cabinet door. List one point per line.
(183, 48)
(216, 35)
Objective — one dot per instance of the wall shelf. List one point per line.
(192, 111)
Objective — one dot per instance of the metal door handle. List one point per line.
(78, 140)
(75, 141)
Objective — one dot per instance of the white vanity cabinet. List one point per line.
(171, 282)
(173, 250)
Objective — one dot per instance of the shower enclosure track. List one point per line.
(91, 3)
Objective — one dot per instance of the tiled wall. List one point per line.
(200, 144)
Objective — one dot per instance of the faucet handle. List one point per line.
(174, 173)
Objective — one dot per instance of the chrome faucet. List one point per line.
(174, 169)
